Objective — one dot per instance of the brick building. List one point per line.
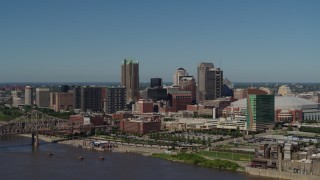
(139, 126)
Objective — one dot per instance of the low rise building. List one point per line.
(140, 126)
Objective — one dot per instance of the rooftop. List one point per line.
(284, 103)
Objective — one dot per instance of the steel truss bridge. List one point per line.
(35, 122)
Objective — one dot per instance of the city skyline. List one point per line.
(79, 41)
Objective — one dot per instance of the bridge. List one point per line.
(35, 122)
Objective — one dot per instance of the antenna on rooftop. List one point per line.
(220, 63)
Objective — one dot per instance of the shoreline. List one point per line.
(84, 143)
(119, 147)
(131, 148)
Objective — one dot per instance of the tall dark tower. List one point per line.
(210, 82)
(155, 82)
(130, 79)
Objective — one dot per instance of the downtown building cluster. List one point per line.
(207, 95)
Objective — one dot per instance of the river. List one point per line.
(20, 160)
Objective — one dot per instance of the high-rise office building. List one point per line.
(260, 112)
(115, 99)
(77, 97)
(130, 79)
(91, 98)
(155, 82)
(28, 96)
(87, 98)
(42, 97)
(210, 82)
(178, 75)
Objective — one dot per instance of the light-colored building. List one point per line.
(28, 96)
(42, 97)
(240, 94)
(284, 90)
(269, 91)
(233, 123)
(61, 101)
(178, 75)
(17, 98)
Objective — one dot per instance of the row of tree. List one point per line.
(309, 129)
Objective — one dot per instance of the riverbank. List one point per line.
(199, 160)
(146, 150)
(117, 147)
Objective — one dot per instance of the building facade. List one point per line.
(145, 106)
(180, 100)
(115, 99)
(28, 96)
(61, 101)
(260, 112)
(210, 82)
(188, 83)
(42, 97)
(155, 82)
(91, 98)
(156, 94)
(130, 79)
(138, 126)
(178, 75)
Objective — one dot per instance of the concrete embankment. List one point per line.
(279, 175)
(146, 150)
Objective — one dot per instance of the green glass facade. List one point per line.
(260, 112)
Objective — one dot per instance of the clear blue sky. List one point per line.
(77, 40)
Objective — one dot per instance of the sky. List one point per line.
(86, 40)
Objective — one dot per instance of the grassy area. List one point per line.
(227, 155)
(199, 160)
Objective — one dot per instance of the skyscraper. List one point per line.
(77, 97)
(91, 98)
(178, 75)
(130, 79)
(115, 99)
(42, 97)
(28, 96)
(260, 112)
(210, 82)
